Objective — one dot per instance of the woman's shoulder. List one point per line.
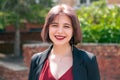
(36, 55)
(85, 57)
(40, 54)
(84, 54)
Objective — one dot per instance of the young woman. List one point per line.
(62, 60)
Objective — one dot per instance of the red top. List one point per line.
(47, 75)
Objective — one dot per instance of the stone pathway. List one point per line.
(12, 67)
(13, 63)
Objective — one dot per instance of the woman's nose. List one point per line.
(60, 30)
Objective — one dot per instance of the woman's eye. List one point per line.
(54, 25)
(67, 26)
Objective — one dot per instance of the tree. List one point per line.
(17, 11)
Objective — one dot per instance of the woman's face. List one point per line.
(60, 30)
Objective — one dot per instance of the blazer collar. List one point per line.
(77, 59)
(45, 54)
(43, 57)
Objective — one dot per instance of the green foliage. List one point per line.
(99, 23)
(38, 13)
(18, 11)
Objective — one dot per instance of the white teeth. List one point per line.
(59, 36)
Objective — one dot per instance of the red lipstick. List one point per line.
(59, 37)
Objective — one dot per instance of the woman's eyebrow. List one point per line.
(54, 23)
(64, 23)
(67, 24)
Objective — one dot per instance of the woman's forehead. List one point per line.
(62, 17)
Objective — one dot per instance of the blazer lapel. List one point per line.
(42, 61)
(79, 70)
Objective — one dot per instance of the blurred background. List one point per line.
(21, 23)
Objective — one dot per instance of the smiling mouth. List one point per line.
(58, 37)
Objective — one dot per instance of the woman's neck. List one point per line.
(63, 50)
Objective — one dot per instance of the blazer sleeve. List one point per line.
(92, 69)
(32, 67)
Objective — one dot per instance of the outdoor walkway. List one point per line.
(13, 63)
(12, 67)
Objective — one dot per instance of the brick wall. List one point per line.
(8, 40)
(113, 1)
(28, 32)
(108, 57)
(7, 74)
(25, 27)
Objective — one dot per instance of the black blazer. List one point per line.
(85, 65)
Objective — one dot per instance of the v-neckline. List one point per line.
(61, 75)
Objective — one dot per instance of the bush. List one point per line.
(99, 23)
